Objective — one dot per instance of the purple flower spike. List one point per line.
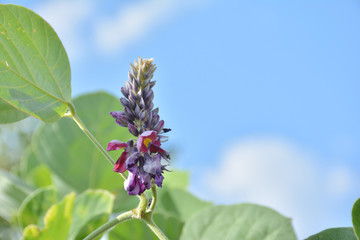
(142, 157)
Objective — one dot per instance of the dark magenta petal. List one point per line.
(120, 165)
(115, 145)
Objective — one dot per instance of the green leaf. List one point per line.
(242, 221)
(39, 176)
(12, 193)
(179, 203)
(85, 213)
(34, 67)
(177, 179)
(35, 206)
(72, 156)
(334, 234)
(9, 114)
(91, 210)
(57, 222)
(355, 215)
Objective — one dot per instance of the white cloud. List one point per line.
(132, 23)
(278, 174)
(67, 17)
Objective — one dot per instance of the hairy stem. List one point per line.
(122, 217)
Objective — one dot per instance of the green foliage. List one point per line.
(68, 153)
(34, 67)
(355, 215)
(57, 222)
(77, 216)
(177, 179)
(35, 206)
(92, 209)
(334, 234)
(242, 221)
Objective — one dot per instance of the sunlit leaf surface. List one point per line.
(34, 67)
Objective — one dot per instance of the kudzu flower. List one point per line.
(142, 158)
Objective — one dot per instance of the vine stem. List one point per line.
(122, 217)
(151, 224)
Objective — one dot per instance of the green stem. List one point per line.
(83, 128)
(151, 224)
(154, 197)
(122, 217)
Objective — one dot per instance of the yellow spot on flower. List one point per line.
(147, 141)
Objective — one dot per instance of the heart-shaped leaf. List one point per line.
(34, 67)
(242, 221)
(334, 234)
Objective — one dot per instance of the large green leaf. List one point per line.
(9, 114)
(12, 192)
(57, 222)
(334, 234)
(34, 67)
(65, 149)
(92, 209)
(238, 222)
(177, 179)
(355, 214)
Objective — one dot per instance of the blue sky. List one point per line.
(262, 96)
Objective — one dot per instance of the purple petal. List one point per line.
(152, 165)
(158, 179)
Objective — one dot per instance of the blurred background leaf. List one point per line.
(57, 221)
(34, 67)
(35, 206)
(334, 234)
(242, 221)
